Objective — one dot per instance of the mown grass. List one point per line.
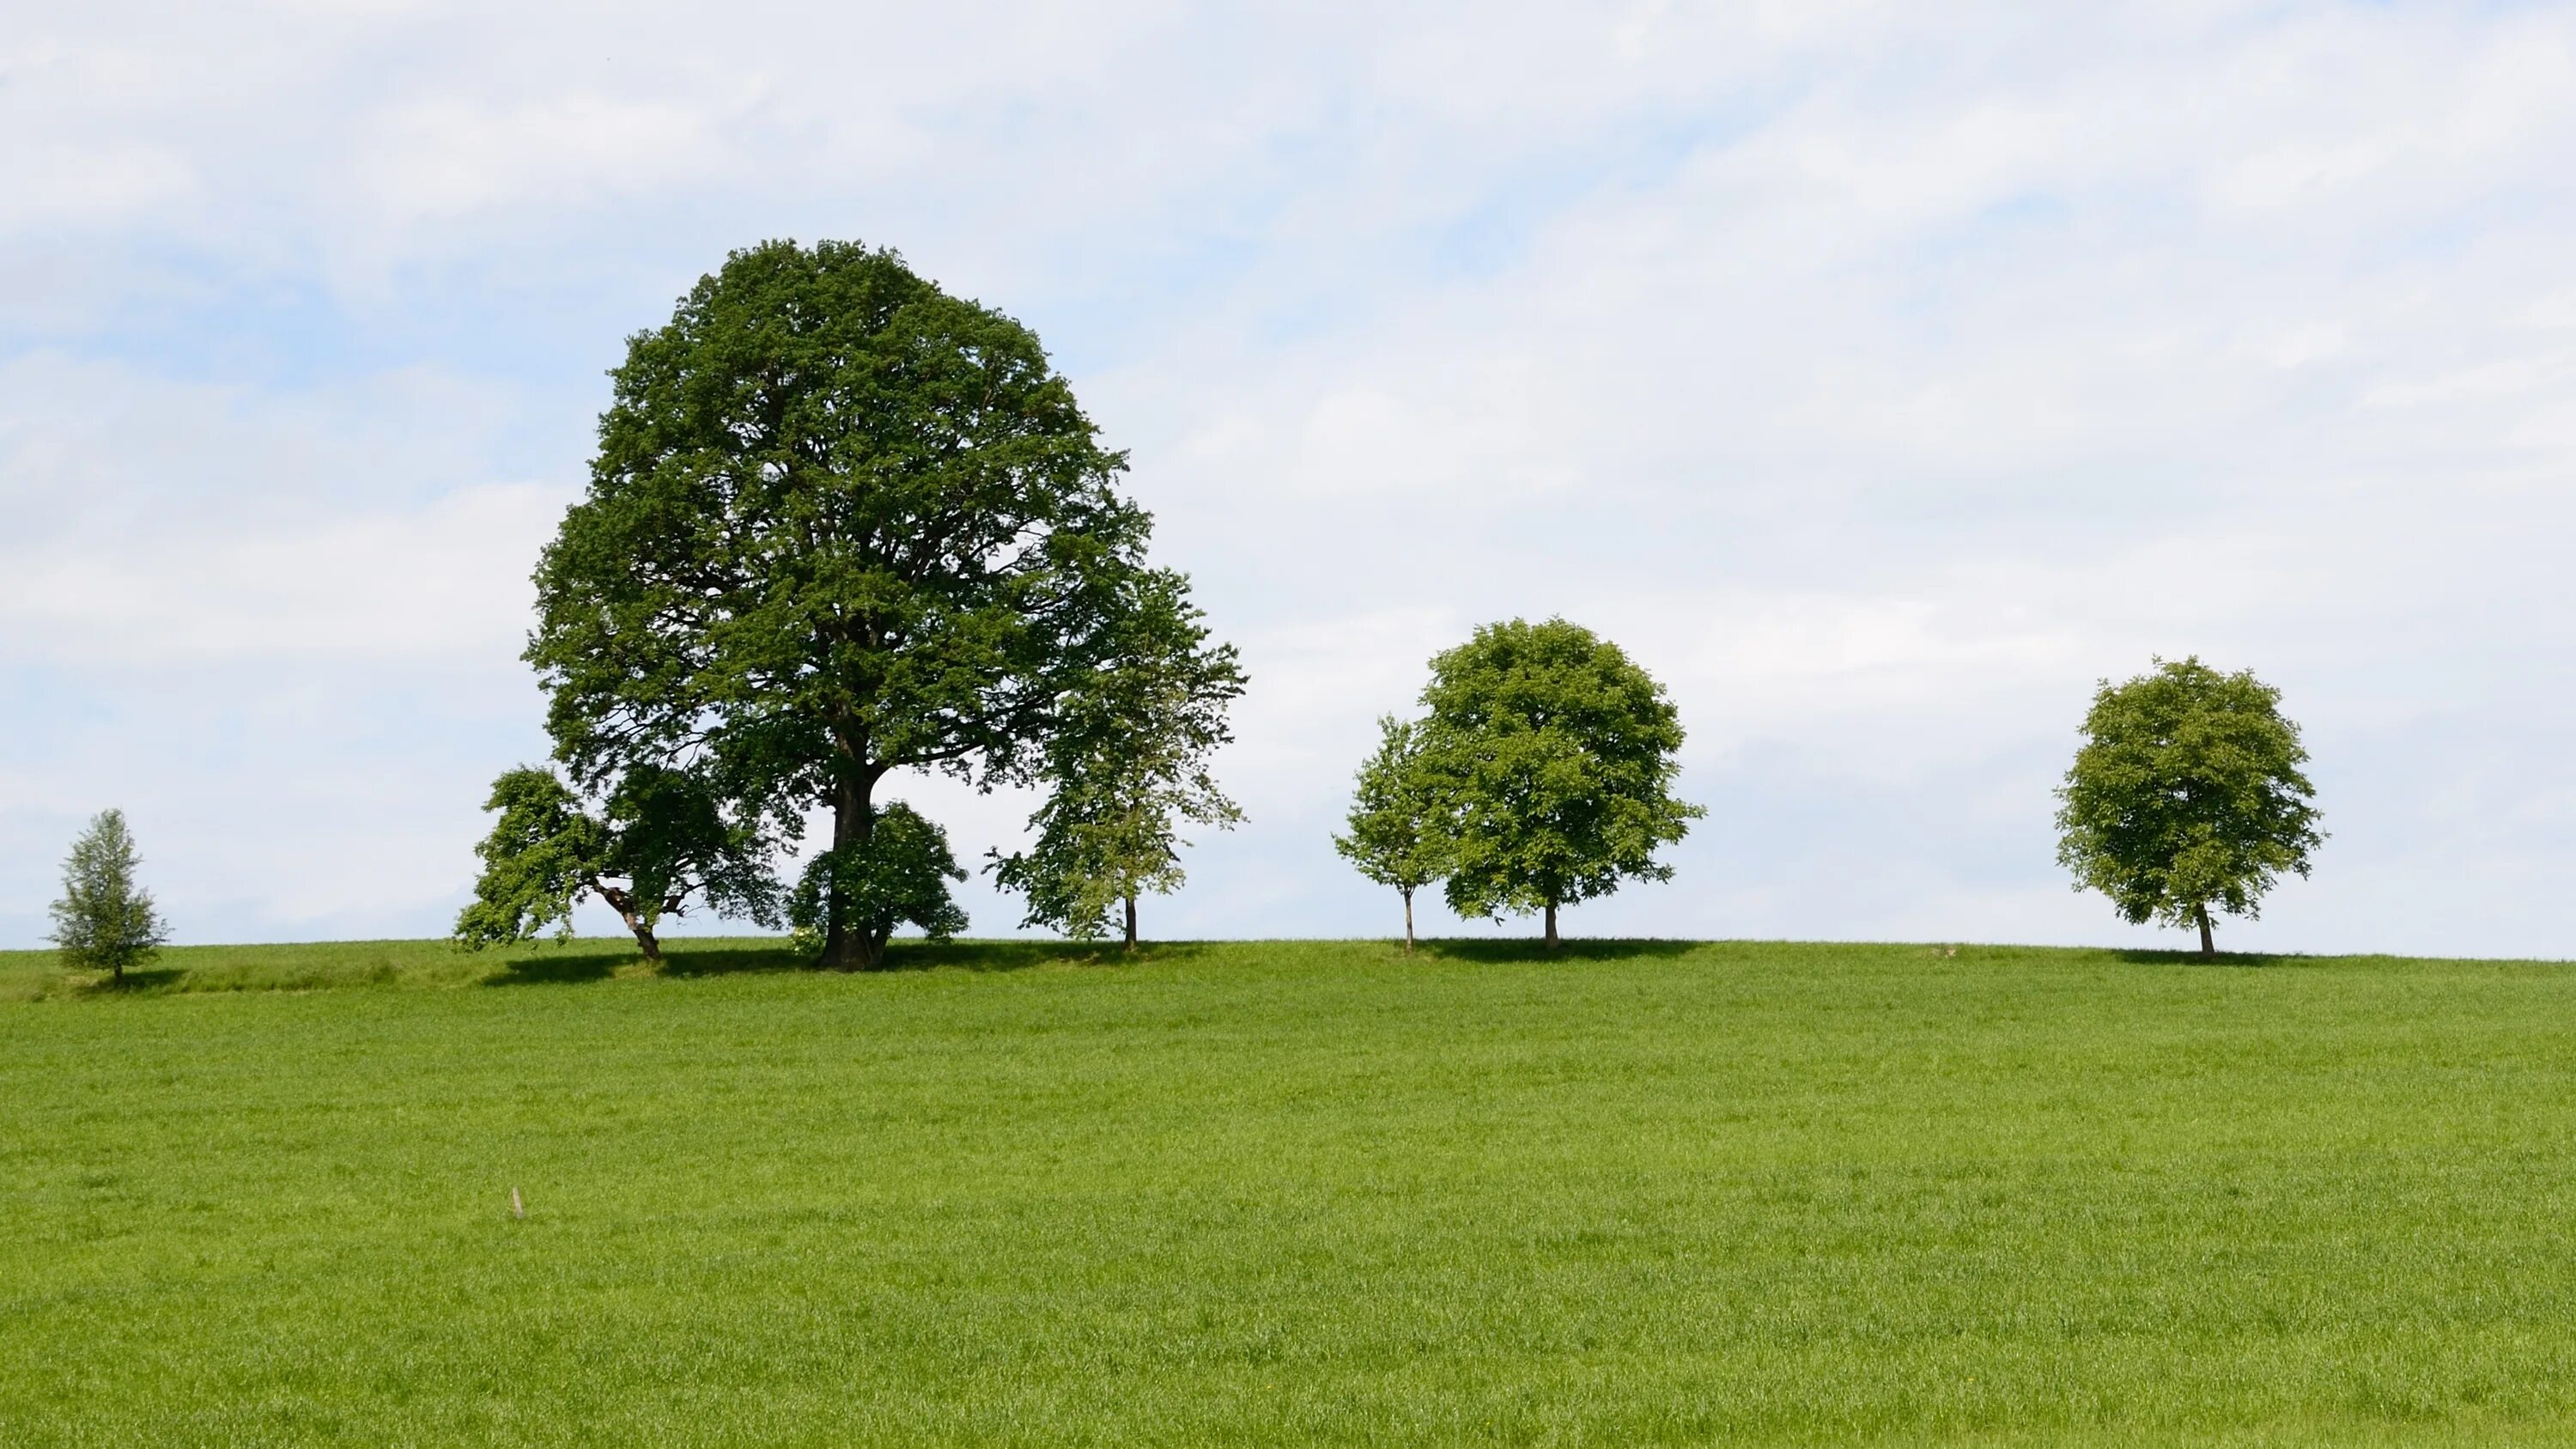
(1292, 1193)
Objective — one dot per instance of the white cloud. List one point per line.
(452, 156)
(447, 579)
(44, 185)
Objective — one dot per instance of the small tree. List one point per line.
(1553, 759)
(1129, 762)
(662, 839)
(104, 919)
(1101, 842)
(896, 873)
(1398, 837)
(2186, 794)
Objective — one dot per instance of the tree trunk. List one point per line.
(644, 938)
(2208, 943)
(1552, 942)
(1131, 923)
(1408, 923)
(846, 947)
(619, 900)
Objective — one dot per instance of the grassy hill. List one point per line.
(1289, 1193)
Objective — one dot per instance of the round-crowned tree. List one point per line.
(1552, 757)
(840, 524)
(2187, 795)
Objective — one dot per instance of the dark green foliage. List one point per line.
(895, 874)
(540, 855)
(2186, 795)
(105, 921)
(839, 524)
(664, 838)
(1553, 758)
(1399, 834)
(1129, 760)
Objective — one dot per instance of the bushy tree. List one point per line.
(2187, 794)
(1129, 762)
(1398, 834)
(1553, 756)
(896, 873)
(662, 839)
(105, 921)
(840, 523)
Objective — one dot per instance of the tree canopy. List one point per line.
(2186, 794)
(105, 919)
(1399, 835)
(1553, 756)
(663, 838)
(839, 524)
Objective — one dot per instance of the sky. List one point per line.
(1880, 377)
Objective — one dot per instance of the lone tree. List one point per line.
(664, 837)
(1552, 758)
(104, 920)
(1130, 760)
(840, 523)
(2186, 794)
(1398, 834)
(896, 874)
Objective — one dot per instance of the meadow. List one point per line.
(1295, 1192)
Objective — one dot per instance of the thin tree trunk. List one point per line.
(1552, 942)
(1408, 923)
(1131, 923)
(2208, 942)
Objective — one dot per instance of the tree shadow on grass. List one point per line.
(557, 970)
(1028, 955)
(2138, 957)
(137, 981)
(1536, 951)
(566, 967)
(681, 959)
(916, 955)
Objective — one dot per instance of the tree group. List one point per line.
(841, 524)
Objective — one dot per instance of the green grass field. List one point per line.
(1288, 1193)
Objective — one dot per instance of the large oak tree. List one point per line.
(840, 523)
